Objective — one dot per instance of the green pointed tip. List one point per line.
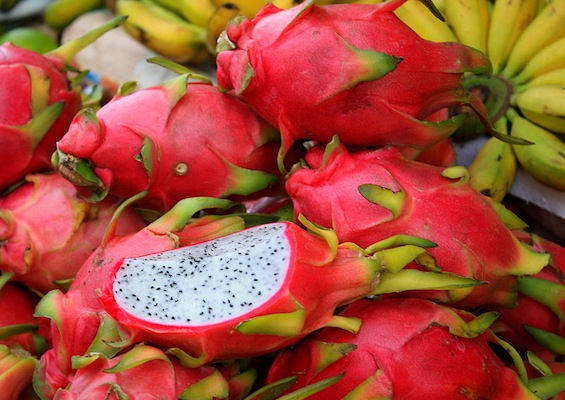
(213, 386)
(384, 197)
(81, 174)
(67, 51)
(412, 279)
(16, 329)
(457, 172)
(126, 88)
(137, 356)
(546, 387)
(186, 359)
(246, 181)
(482, 322)
(42, 122)
(328, 353)
(309, 390)
(273, 390)
(177, 68)
(280, 324)
(349, 324)
(549, 340)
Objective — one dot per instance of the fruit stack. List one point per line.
(296, 226)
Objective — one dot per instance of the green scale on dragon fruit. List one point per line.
(176, 140)
(369, 195)
(38, 102)
(410, 349)
(356, 71)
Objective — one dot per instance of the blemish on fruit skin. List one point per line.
(181, 169)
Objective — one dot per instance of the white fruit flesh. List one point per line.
(205, 283)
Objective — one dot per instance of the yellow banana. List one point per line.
(545, 159)
(196, 11)
(508, 19)
(554, 77)
(547, 27)
(418, 17)
(249, 8)
(218, 23)
(493, 169)
(163, 31)
(547, 59)
(469, 20)
(544, 105)
(59, 14)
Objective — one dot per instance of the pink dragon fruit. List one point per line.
(79, 324)
(367, 196)
(352, 70)
(541, 300)
(37, 104)
(19, 329)
(175, 140)
(16, 373)
(406, 349)
(47, 231)
(141, 372)
(255, 291)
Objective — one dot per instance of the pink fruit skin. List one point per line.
(154, 378)
(340, 41)
(47, 231)
(77, 314)
(406, 347)
(334, 280)
(189, 143)
(531, 312)
(19, 155)
(464, 225)
(18, 305)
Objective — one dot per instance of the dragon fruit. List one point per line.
(352, 70)
(541, 300)
(141, 371)
(19, 329)
(37, 104)
(16, 372)
(406, 349)
(47, 231)
(79, 324)
(369, 195)
(256, 290)
(175, 140)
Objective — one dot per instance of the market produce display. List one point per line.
(292, 223)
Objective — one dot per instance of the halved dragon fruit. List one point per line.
(257, 290)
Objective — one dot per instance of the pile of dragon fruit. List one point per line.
(299, 229)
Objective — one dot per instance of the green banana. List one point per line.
(493, 169)
(545, 105)
(508, 19)
(547, 59)
(547, 27)
(61, 13)
(545, 159)
(469, 20)
(163, 31)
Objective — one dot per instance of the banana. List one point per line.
(469, 20)
(547, 27)
(509, 18)
(249, 8)
(418, 17)
(545, 159)
(218, 23)
(545, 105)
(163, 31)
(59, 14)
(554, 77)
(197, 11)
(547, 59)
(493, 169)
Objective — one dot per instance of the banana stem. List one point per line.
(495, 90)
